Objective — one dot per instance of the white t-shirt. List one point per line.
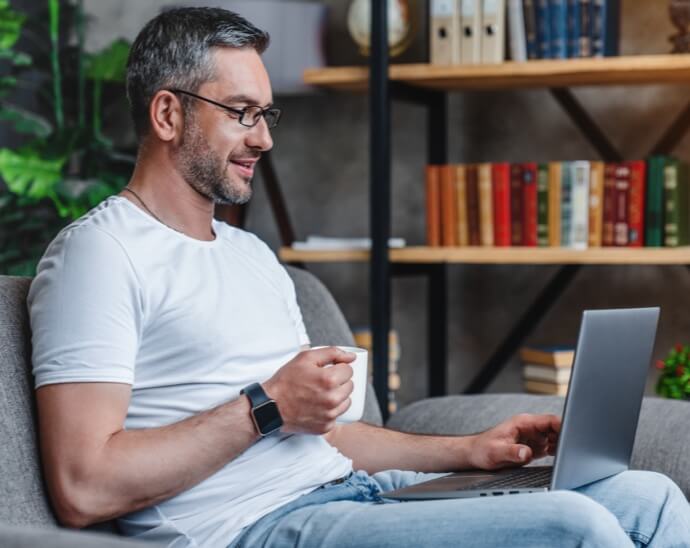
(119, 297)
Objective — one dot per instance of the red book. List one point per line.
(516, 196)
(529, 204)
(621, 201)
(501, 188)
(449, 218)
(433, 206)
(638, 190)
(609, 198)
(472, 177)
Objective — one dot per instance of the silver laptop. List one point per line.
(600, 417)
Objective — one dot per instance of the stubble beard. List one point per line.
(205, 171)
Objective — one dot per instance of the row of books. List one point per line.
(477, 31)
(576, 204)
(547, 370)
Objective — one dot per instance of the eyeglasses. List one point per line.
(248, 116)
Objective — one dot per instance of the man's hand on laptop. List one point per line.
(515, 442)
(312, 389)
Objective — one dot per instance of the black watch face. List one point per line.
(267, 417)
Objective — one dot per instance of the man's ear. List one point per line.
(166, 116)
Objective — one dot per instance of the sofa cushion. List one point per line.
(661, 443)
(326, 325)
(23, 499)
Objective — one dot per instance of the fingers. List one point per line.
(329, 355)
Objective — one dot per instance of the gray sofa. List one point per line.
(26, 518)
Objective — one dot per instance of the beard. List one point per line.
(205, 171)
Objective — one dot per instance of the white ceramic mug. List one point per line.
(359, 379)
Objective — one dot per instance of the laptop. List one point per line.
(602, 408)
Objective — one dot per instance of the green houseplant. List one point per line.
(64, 165)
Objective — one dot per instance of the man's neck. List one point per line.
(167, 197)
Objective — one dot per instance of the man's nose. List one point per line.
(259, 137)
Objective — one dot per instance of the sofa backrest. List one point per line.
(23, 499)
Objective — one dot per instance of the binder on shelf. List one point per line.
(445, 32)
(493, 31)
(470, 31)
(517, 30)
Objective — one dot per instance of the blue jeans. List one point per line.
(630, 509)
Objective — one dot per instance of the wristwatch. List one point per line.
(265, 414)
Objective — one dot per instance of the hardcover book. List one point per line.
(579, 227)
(529, 204)
(621, 209)
(605, 24)
(596, 203)
(550, 388)
(543, 20)
(501, 185)
(638, 189)
(654, 228)
(472, 178)
(554, 356)
(555, 175)
(676, 193)
(461, 205)
(530, 20)
(609, 203)
(546, 373)
(516, 206)
(433, 206)
(486, 206)
(543, 205)
(558, 11)
(449, 220)
(566, 205)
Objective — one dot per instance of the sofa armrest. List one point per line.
(29, 536)
(662, 443)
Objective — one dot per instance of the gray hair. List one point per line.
(173, 51)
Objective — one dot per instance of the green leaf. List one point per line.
(26, 173)
(17, 58)
(24, 121)
(11, 23)
(109, 64)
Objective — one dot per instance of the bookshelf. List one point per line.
(428, 86)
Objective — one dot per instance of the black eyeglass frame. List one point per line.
(241, 112)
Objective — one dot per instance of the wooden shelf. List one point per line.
(506, 255)
(606, 71)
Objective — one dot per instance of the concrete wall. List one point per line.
(321, 155)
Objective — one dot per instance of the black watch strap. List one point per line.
(256, 394)
(265, 413)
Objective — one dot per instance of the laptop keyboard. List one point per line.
(521, 477)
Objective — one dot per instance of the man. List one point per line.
(152, 324)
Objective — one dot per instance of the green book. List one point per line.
(654, 216)
(676, 211)
(543, 205)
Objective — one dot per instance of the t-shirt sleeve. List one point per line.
(85, 310)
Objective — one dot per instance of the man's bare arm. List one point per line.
(513, 442)
(96, 470)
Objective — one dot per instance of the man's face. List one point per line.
(217, 155)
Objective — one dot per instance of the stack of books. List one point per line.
(546, 370)
(577, 205)
(362, 338)
(485, 31)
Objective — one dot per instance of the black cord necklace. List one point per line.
(149, 209)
